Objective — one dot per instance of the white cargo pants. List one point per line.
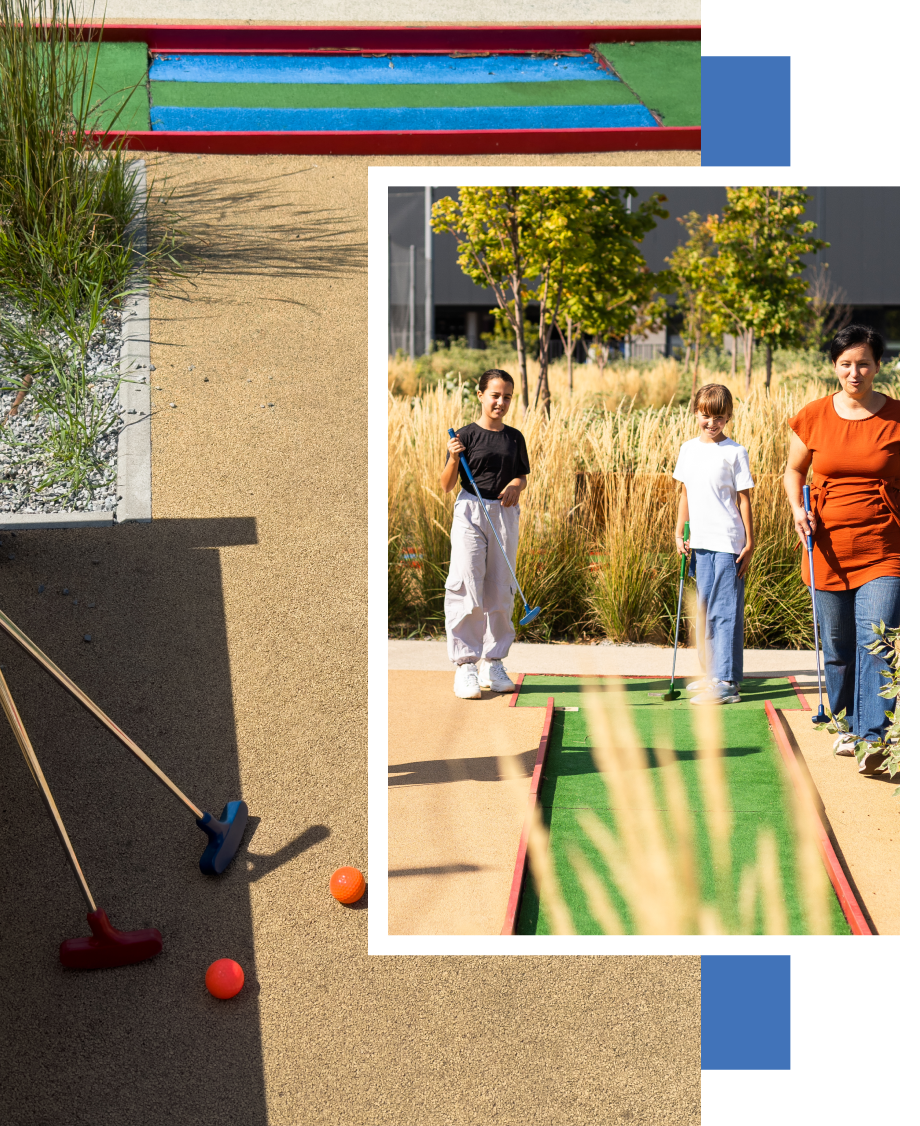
(479, 593)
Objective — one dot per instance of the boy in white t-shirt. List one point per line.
(715, 498)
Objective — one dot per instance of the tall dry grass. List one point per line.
(597, 518)
(655, 855)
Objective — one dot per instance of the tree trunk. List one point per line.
(696, 364)
(748, 357)
(569, 349)
(734, 371)
(768, 359)
(521, 348)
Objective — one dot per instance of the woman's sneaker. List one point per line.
(466, 682)
(492, 676)
(719, 692)
(872, 763)
(700, 685)
(845, 745)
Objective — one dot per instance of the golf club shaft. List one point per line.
(806, 499)
(472, 480)
(49, 666)
(680, 598)
(35, 769)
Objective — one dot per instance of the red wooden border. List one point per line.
(520, 864)
(447, 142)
(803, 699)
(518, 681)
(841, 885)
(296, 39)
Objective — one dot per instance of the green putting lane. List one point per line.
(754, 772)
(121, 76)
(664, 76)
(293, 95)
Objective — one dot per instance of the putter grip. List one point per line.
(806, 501)
(466, 468)
(683, 558)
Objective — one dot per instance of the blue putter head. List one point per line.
(224, 836)
(822, 716)
(532, 612)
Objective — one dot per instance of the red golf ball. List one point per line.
(224, 978)
(347, 885)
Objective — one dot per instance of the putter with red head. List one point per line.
(224, 833)
(822, 716)
(106, 947)
(530, 612)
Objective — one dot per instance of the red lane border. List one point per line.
(298, 39)
(520, 864)
(803, 699)
(841, 885)
(440, 142)
(519, 680)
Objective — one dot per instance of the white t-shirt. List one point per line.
(713, 473)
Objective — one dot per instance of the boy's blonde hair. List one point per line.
(714, 399)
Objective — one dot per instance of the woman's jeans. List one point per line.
(853, 676)
(720, 614)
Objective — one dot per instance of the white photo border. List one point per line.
(382, 178)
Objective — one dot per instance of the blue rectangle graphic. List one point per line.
(746, 111)
(395, 70)
(228, 119)
(746, 1012)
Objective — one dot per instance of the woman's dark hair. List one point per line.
(852, 335)
(496, 373)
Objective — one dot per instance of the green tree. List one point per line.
(761, 237)
(526, 244)
(615, 294)
(694, 270)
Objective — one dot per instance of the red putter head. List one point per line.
(108, 947)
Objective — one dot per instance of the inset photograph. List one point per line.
(643, 560)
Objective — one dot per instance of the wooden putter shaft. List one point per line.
(25, 745)
(37, 655)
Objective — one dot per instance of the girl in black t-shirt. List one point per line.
(479, 596)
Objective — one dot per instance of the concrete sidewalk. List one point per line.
(606, 660)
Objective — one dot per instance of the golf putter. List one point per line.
(224, 833)
(673, 693)
(530, 612)
(822, 716)
(106, 947)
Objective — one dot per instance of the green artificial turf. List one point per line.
(303, 95)
(120, 68)
(664, 76)
(754, 771)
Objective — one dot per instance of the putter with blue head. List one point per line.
(530, 612)
(674, 693)
(224, 833)
(822, 716)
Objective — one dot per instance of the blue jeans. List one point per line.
(720, 614)
(853, 676)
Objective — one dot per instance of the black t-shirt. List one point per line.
(495, 457)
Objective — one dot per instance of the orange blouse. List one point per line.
(856, 493)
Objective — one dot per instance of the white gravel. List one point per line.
(22, 465)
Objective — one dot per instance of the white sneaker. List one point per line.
(466, 682)
(700, 685)
(492, 676)
(845, 745)
(719, 692)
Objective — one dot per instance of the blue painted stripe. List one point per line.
(451, 117)
(746, 1011)
(746, 107)
(398, 70)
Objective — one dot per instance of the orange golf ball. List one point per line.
(347, 885)
(224, 978)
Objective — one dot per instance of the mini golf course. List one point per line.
(424, 90)
(758, 775)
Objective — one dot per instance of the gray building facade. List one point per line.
(862, 225)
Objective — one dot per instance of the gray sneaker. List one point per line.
(719, 692)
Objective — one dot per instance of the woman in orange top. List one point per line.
(852, 442)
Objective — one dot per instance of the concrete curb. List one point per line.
(133, 479)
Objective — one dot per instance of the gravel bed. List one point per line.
(22, 466)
